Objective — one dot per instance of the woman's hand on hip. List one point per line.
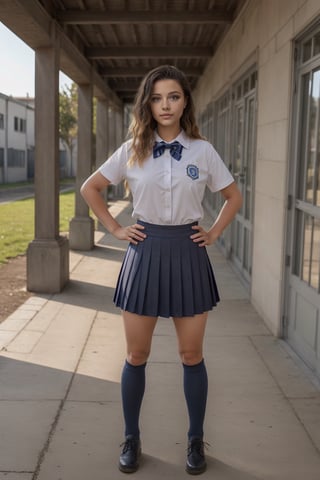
(132, 233)
(202, 237)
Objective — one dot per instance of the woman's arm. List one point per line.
(91, 192)
(227, 213)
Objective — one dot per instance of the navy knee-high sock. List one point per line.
(132, 391)
(195, 382)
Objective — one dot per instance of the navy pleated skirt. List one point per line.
(166, 275)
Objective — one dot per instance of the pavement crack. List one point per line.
(53, 428)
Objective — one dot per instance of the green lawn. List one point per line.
(17, 224)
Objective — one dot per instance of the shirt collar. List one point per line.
(182, 138)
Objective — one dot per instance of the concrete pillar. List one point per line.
(102, 132)
(120, 130)
(111, 129)
(48, 253)
(118, 139)
(102, 141)
(109, 120)
(81, 231)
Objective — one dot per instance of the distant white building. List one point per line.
(17, 141)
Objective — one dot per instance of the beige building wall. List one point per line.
(264, 34)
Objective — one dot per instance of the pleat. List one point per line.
(187, 283)
(149, 280)
(176, 292)
(166, 275)
(125, 283)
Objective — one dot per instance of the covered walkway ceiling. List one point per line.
(122, 39)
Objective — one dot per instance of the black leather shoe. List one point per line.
(196, 462)
(128, 462)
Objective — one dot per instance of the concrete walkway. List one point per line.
(60, 367)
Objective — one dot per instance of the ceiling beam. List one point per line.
(89, 17)
(141, 71)
(127, 100)
(28, 21)
(127, 90)
(127, 95)
(169, 51)
(32, 24)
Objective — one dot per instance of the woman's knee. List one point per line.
(191, 357)
(137, 357)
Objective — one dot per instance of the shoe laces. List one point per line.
(198, 446)
(129, 444)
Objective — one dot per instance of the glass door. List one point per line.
(303, 259)
(243, 160)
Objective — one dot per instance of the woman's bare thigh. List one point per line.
(190, 332)
(138, 331)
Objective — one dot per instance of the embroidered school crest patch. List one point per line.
(193, 172)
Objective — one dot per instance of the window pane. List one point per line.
(306, 87)
(246, 86)
(250, 145)
(238, 237)
(253, 80)
(316, 44)
(246, 248)
(248, 204)
(238, 160)
(298, 244)
(307, 250)
(239, 140)
(311, 148)
(316, 101)
(313, 134)
(317, 200)
(306, 50)
(220, 136)
(315, 255)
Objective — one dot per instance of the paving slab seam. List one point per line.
(24, 324)
(162, 362)
(77, 263)
(46, 446)
(314, 396)
(93, 402)
(34, 344)
(306, 370)
(6, 347)
(26, 399)
(239, 335)
(291, 406)
(303, 426)
(17, 471)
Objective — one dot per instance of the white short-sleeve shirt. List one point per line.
(166, 191)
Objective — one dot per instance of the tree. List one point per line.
(68, 116)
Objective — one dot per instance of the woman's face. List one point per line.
(167, 103)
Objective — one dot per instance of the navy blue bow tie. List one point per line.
(175, 149)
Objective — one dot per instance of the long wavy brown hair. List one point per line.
(143, 124)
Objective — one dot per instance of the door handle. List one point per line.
(241, 176)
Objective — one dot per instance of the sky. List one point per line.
(17, 66)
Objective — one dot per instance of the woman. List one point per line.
(166, 271)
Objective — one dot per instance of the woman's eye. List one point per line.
(174, 98)
(155, 99)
